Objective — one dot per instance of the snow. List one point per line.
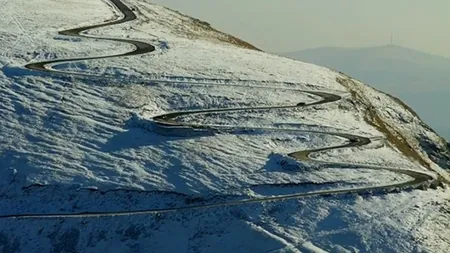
(71, 144)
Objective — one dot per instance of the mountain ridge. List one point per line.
(382, 48)
(420, 79)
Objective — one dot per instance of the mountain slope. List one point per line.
(420, 79)
(230, 149)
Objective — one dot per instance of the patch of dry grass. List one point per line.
(224, 37)
(394, 137)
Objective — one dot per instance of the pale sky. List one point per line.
(290, 25)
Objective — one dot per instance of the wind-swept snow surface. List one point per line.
(194, 143)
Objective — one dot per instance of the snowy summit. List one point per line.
(129, 127)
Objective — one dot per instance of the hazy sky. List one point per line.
(290, 25)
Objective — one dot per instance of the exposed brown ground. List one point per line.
(393, 136)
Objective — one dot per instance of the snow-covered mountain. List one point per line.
(421, 80)
(167, 135)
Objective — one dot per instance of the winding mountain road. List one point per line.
(170, 120)
(128, 15)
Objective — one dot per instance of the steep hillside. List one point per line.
(419, 79)
(128, 127)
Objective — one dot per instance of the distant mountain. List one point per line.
(421, 80)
